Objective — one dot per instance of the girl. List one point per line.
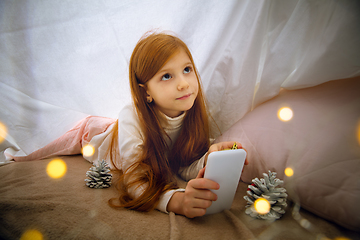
(165, 132)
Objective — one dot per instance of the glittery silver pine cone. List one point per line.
(99, 176)
(267, 188)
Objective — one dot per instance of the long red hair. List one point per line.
(157, 162)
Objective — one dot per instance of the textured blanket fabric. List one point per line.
(66, 209)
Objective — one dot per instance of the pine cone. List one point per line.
(99, 176)
(268, 189)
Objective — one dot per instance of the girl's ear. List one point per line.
(149, 99)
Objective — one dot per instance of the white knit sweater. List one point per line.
(130, 144)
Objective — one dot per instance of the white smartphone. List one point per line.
(224, 167)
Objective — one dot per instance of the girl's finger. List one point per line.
(203, 183)
(202, 203)
(206, 195)
(195, 212)
(239, 145)
(201, 173)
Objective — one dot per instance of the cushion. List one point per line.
(321, 144)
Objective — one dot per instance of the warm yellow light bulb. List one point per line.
(262, 206)
(285, 114)
(88, 150)
(56, 168)
(289, 171)
(32, 234)
(3, 132)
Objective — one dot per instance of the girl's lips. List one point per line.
(184, 97)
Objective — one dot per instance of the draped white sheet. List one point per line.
(63, 60)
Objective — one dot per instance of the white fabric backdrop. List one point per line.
(63, 60)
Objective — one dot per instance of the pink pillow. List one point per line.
(321, 143)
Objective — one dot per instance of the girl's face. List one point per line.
(174, 87)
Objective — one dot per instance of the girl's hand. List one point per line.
(196, 198)
(222, 146)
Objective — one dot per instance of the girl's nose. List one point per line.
(183, 84)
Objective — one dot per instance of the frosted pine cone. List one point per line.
(268, 189)
(99, 176)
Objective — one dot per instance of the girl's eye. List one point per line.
(187, 69)
(166, 77)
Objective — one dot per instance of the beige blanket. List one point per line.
(66, 209)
